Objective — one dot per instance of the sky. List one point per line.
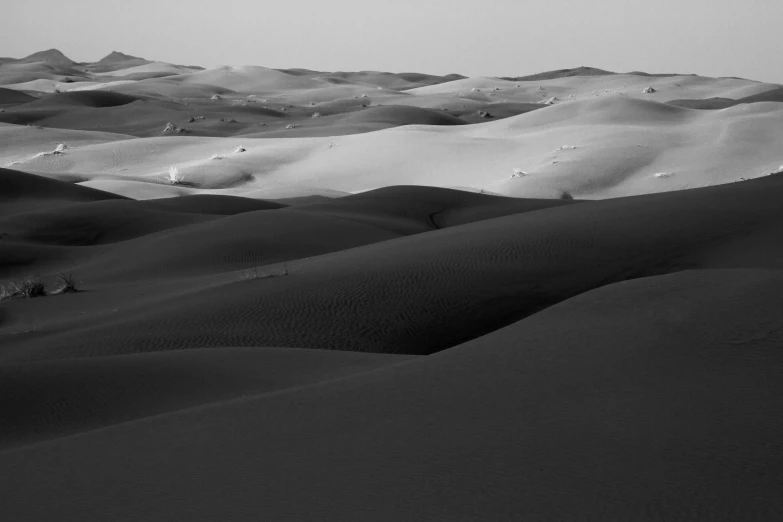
(470, 37)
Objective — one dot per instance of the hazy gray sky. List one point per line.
(471, 37)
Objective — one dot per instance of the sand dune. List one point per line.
(773, 95)
(22, 192)
(23, 73)
(84, 99)
(12, 97)
(631, 85)
(359, 122)
(416, 294)
(247, 293)
(49, 85)
(39, 401)
(411, 210)
(20, 143)
(153, 67)
(398, 81)
(596, 148)
(582, 399)
(247, 79)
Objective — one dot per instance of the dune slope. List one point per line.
(653, 399)
(415, 295)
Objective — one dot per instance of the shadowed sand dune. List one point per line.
(95, 223)
(22, 192)
(41, 401)
(773, 95)
(219, 205)
(415, 295)
(11, 97)
(411, 210)
(97, 99)
(368, 120)
(578, 412)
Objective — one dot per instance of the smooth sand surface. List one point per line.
(649, 400)
(289, 294)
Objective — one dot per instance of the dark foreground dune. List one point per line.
(655, 399)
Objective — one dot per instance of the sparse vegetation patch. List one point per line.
(174, 176)
(255, 273)
(26, 288)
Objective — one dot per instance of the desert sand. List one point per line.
(246, 293)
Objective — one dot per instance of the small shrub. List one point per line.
(175, 177)
(248, 275)
(27, 288)
(239, 149)
(217, 157)
(58, 150)
(5, 292)
(253, 273)
(67, 284)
